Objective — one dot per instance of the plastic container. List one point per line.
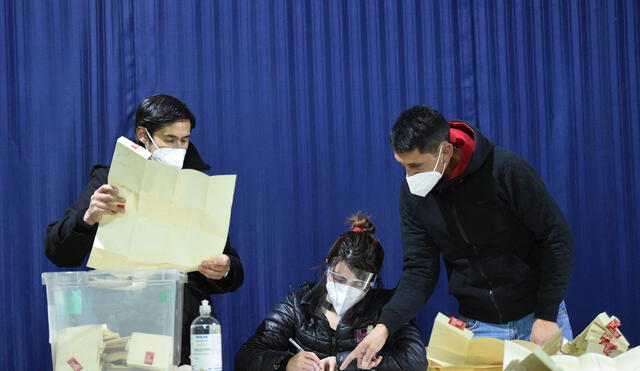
(110, 308)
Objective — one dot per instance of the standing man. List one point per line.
(506, 245)
(163, 126)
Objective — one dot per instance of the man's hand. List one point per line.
(216, 269)
(366, 351)
(543, 330)
(104, 201)
(304, 361)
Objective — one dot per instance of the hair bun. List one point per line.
(359, 220)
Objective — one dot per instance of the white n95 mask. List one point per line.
(422, 183)
(173, 157)
(343, 297)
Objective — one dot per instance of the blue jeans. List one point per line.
(519, 329)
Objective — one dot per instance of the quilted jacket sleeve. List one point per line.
(269, 347)
(404, 350)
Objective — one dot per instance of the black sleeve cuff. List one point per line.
(547, 310)
(391, 320)
(82, 227)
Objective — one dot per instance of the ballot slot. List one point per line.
(115, 319)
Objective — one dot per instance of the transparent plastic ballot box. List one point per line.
(115, 319)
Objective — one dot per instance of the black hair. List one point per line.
(419, 127)
(162, 110)
(358, 248)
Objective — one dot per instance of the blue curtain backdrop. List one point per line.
(297, 98)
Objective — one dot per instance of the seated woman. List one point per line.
(329, 318)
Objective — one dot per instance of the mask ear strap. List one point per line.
(438, 159)
(151, 138)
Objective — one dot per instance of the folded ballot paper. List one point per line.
(593, 350)
(96, 348)
(89, 347)
(150, 352)
(538, 360)
(602, 336)
(79, 348)
(173, 218)
(453, 348)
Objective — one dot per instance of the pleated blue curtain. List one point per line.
(297, 98)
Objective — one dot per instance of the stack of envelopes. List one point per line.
(114, 354)
(602, 336)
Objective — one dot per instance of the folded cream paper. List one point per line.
(150, 352)
(79, 348)
(523, 355)
(538, 360)
(454, 346)
(173, 218)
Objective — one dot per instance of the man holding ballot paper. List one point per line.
(163, 130)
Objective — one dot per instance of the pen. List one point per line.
(296, 345)
(299, 348)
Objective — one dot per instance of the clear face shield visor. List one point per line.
(343, 274)
(347, 286)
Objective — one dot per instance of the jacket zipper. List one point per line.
(333, 343)
(477, 254)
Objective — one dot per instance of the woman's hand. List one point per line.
(304, 361)
(329, 364)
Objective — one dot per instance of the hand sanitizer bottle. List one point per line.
(206, 341)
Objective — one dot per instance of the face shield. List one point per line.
(346, 286)
(352, 277)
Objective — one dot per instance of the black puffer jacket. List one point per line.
(69, 240)
(296, 317)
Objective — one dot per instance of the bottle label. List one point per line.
(206, 352)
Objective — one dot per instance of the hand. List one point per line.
(366, 351)
(104, 201)
(304, 361)
(543, 330)
(328, 364)
(215, 269)
(373, 364)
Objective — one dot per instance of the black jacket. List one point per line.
(69, 240)
(506, 245)
(296, 317)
